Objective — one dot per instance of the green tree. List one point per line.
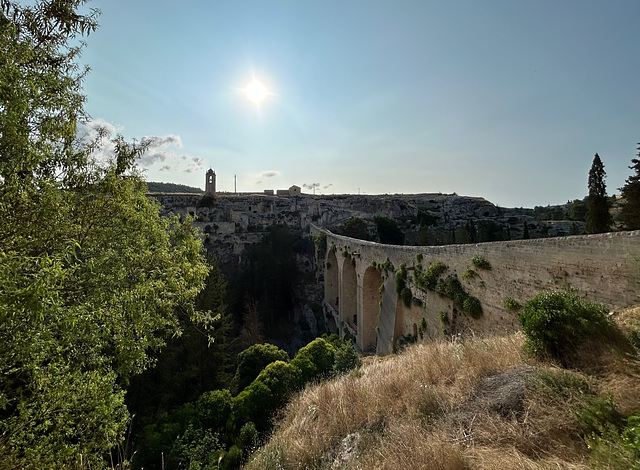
(252, 360)
(525, 231)
(355, 228)
(631, 193)
(388, 231)
(91, 277)
(598, 217)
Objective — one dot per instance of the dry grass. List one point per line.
(422, 409)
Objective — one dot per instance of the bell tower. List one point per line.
(210, 183)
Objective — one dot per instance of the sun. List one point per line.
(255, 91)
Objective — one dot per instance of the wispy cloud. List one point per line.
(269, 173)
(310, 185)
(161, 150)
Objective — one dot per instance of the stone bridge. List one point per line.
(360, 283)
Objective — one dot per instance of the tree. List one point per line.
(388, 231)
(252, 360)
(598, 217)
(355, 228)
(91, 277)
(525, 231)
(631, 193)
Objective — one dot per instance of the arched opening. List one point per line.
(331, 291)
(348, 299)
(371, 297)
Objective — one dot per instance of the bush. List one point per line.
(555, 323)
(472, 307)
(213, 409)
(406, 297)
(320, 241)
(252, 360)
(469, 274)
(480, 262)
(346, 358)
(429, 278)
(511, 304)
(320, 354)
(247, 437)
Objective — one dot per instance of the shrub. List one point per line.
(213, 409)
(406, 297)
(401, 278)
(555, 323)
(472, 307)
(252, 360)
(511, 304)
(469, 274)
(480, 262)
(320, 241)
(247, 437)
(320, 354)
(388, 231)
(429, 278)
(253, 404)
(346, 358)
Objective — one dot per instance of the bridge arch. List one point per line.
(331, 282)
(371, 297)
(349, 297)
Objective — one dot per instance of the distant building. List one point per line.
(210, 183)
(295, 191)
(268, 192)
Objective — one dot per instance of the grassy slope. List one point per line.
(480, 404)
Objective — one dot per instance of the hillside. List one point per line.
(156, 187)
(478, 403)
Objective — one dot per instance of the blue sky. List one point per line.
(504, 99)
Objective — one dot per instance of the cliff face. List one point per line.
(232, 222)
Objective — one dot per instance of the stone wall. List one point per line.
(604, 268)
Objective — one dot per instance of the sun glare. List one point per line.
(255, 92)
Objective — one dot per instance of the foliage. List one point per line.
(320, 241)
(346, 358)
(631, 193)
(91, 277)
(429, 278)
(388, 231)
(525, 231)
(450, 287)
(598, 217)
(355, 228)
(401, 278)
(270, 275)
(480, 262)
(425, 218)
(406, 296)
(213, 409)
(422, 328)
(489, 231)
(315, 360)
(156, 187)
(511, 304)
(555, 323)
(469, 274)
(253, 360)
(208, 200)
(266, 394)
(471, 306)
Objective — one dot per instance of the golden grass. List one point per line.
(418, 410)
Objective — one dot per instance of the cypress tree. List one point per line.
(631, 193)
(525, 231)
(598, 217)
